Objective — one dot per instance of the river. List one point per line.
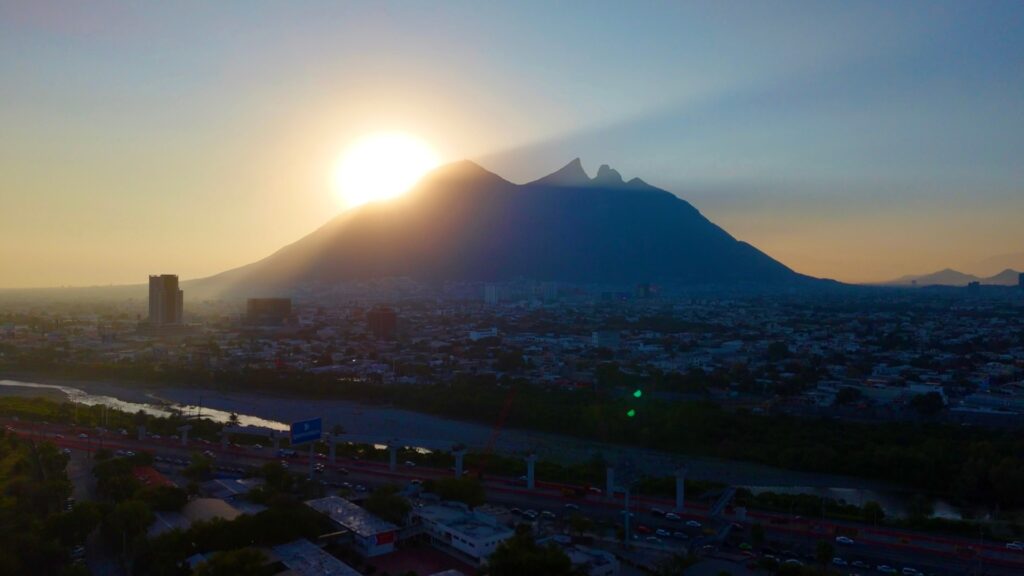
(418, 430)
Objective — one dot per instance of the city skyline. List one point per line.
(860, 143)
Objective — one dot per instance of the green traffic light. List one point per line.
(631, 413)
(638, 393)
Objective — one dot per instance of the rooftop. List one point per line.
(351, 516)
(472, 524)
(302, 557)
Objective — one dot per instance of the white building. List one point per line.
(303, 558)
(481, 334)
(593, 561)
(372, 536)
(455, 528)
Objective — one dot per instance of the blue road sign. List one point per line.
(306, 431)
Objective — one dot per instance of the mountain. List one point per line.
(463, 223)
(950, 277)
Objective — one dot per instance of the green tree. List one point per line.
(199, 468)
(521, 555)
(126, 522)
(388, 504)
(873, 512)
(579, 523)
(241, 562)
(825, 552)
(467, 490)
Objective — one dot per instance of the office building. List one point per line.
(372, 536)
(383, 322)
(268, 311)
(455, 529)
(166, 301)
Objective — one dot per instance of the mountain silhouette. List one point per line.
(950, 277)
(464, 223)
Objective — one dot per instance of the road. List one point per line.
(938, 554)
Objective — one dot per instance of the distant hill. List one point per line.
(950, 277)
(463, 223)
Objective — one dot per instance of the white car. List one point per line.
(571, 506)
(844, 540)
(908, 571)
(885, 569)
(693, 524)
(1018, 546)
(657, 511)
(83, 435)
(839, 561)
(672, 516)
(662, 532)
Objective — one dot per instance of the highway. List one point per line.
(785, 537)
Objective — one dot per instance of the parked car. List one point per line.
(844, 540)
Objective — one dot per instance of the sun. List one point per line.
(381, 166)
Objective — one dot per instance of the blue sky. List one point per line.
(856, 140)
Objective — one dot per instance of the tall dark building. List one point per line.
(383, 322)
(1020, 280)
(268, 311)
(165, 300)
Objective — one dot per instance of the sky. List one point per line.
(853, 140)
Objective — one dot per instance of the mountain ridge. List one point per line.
(462, 222)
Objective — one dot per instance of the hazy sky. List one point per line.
(854, 140)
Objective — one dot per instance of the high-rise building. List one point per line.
(165, 300)
(383, 322)
(1020, 280)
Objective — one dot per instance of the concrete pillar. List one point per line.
(459, 455)
(609, 482)
(680, 489)
(332, 448)
(184, 434)
(277, 443)
(531, 461)
(393, 457)
(142, 433)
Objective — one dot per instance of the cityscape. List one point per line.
(449, 352)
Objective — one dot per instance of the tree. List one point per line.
(521, 555)
(233, 419)
(825, 552)
(388, 504)
(469, 491)
(127, 521)
(579, 523)
(873, 512)
(199, 468)
(919, 507)
(244, 561)
(927, 404)
(756, 534)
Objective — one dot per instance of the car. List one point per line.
(208, 453)
(859, 564)
(59, 436)
(123, 432)
(256, 446)
(154, 436)
(416, 482)
(347, 485)
(793, 562)
(672, 516)
(1016, 546)
(410, 464)
(66, 451)
(83, 436)
(623, 513)
(908, 571)
(571, 506)
(844, 540)
(657, 511)
(885, 569)
(284, 464)
(654, 539)
(680, 535)
(594, 490)
(531, 514)
(360, 488)
(662, 532)
(78, 552)
(547, 514)
(693, 524)
(839, 561)
(343, 471)
(643, 529)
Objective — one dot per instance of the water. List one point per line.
(158, 408)
(425, 432)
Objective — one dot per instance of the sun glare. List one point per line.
(381, 166)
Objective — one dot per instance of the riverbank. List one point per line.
(368, 419)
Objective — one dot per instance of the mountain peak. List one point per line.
(570, 175)
(608, 176)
